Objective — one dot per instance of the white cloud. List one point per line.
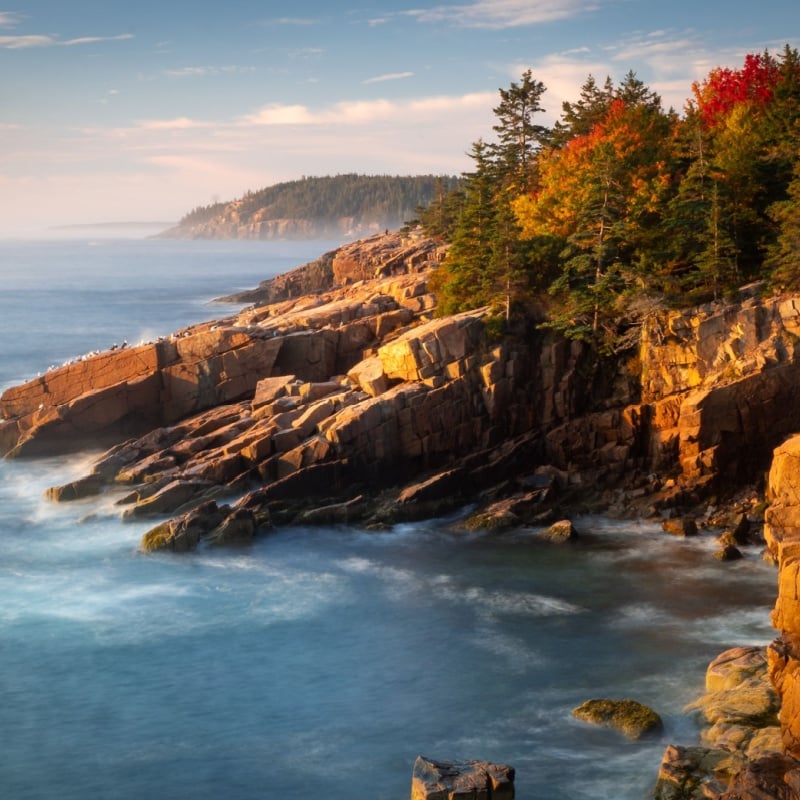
(362, 112)
(92, 39)
(9, 19)
(161, 168)
(391, 76)
(497, 14)
(353, 112)
(23, 42)
(280, 115)
(179, 123)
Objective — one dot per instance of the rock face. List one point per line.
(718, 386)
(340, 384)
(452, 780)
(740, 753)
(782, 531)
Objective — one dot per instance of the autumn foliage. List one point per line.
(624, 204)
(725, 88)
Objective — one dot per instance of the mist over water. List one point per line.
(319, 662)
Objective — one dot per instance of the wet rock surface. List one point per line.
(629, 717)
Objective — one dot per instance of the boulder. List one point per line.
(751, 702)
(184, 532)
(239, 527)
(76, 490)
(561, 531)
(629, 717)
(369, 376)
(728, 552)
(696, 773)
(453, 780)
(732, 667)
(680, 527)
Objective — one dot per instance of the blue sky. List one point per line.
(113, 111)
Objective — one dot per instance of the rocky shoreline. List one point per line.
(338, 396)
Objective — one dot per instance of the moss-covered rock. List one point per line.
(627, 716)
(561, 531)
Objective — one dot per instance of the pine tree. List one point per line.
(784, 255)
(464, 280)
(518, 137)
(578, 119)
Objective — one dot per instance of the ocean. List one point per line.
(318, 662)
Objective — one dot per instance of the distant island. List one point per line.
(316, 207)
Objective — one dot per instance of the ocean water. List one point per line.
(317, 662)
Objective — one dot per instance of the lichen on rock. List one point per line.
(629, 717)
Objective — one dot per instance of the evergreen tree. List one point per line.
(578, 119)
(784, 255)
(518, 137)
(464, 281)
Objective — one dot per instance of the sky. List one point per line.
(117, 111)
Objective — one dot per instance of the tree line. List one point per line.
(388, 198)
(623, 206)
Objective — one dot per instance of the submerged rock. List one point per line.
(728, 552)
(627, 716)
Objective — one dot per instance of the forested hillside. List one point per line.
(318, 206)
(624, 206)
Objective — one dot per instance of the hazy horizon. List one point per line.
(129, 113)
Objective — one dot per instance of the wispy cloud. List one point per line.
(291, 21)
(93, 39)
(305, 52)
(9, 19)
(179, 123)
(363, 112)
(193, 72)
(391, 76)
(498, 14)
(26, 41)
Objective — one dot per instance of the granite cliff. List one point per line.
(339, 368)
(337, 396)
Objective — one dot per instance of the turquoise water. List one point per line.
(318, 662)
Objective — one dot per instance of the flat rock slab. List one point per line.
(457, 780)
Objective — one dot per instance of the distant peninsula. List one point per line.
(316, 207)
